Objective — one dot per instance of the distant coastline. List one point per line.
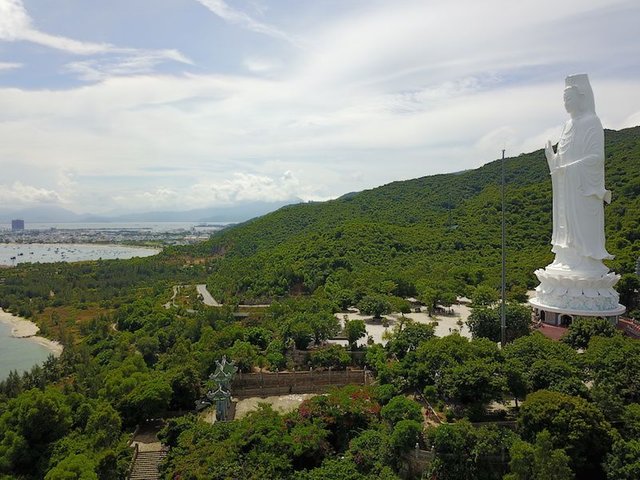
(27, 330)
(12, 254)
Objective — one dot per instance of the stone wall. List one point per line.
(265, 384)
(418, 461)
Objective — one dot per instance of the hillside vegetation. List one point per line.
(133, 352)
(439, 232)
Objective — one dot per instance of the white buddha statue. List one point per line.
(577, 176)
(578, 282)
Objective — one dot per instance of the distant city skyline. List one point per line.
(117, 107)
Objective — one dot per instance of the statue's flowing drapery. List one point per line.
(578, 189)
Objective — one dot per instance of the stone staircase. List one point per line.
(145, 465)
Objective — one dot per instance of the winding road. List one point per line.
(207, 299)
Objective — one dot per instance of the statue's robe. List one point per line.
(578, 189)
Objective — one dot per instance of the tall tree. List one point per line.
(540, 461)
(574, 424)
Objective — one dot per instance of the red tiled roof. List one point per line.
(629, 327)
(551, 331)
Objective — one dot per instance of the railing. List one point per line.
(431, 412)
(136, 450)
(133, 435)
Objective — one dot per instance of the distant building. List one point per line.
(17, 225)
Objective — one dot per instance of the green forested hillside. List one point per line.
(440, 232)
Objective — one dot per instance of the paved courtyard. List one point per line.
(446, 324)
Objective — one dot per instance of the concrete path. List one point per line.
(172, 302)
(207, 299)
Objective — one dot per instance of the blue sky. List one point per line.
(174, 104)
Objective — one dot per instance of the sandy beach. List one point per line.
(22, 328)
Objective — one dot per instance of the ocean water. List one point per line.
(18, 353)
(14, 253)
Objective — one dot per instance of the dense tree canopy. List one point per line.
(574, 424)
(485, 322)
(582, 329)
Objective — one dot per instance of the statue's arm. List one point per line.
(552, 157)
(590, 172)
(588, 160)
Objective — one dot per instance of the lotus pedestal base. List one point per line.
(564, 295)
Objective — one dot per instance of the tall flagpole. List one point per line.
(503, 317)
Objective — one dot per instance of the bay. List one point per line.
(152, 226)
(19, 353)
(22, 354)
(14, 253)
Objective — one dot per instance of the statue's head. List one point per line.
(578, 96)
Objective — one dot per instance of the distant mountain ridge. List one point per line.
(41, 214)
(232, 213)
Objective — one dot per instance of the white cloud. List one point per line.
(394, 44)
(242, 187)
(633, 119)
(161, 197)
(204, 127)
(138, 62)
(288, 175)
(261, 65)
(14, 19)
(16, 25)
(237, 17)
(20, 195)
(236, 188)
(4, 66)
(432, 96)
(504, 137)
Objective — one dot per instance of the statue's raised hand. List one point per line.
(549, 153)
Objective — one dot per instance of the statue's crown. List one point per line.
(580, 81)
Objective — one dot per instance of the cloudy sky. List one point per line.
(134, 105)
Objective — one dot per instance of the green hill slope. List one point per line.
(441, 231)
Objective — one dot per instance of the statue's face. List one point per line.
(572, 100)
